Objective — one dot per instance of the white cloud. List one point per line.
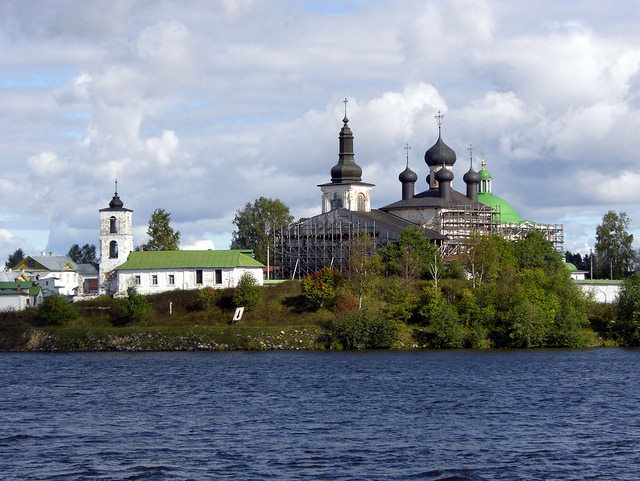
(200, 109)
(199, 245)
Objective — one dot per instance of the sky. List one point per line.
(198, 107)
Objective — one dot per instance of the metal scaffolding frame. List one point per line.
(305, 247)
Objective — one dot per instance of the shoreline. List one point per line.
(200, 338)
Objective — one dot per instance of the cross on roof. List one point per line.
(406, 149)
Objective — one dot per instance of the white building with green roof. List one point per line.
(152, 272)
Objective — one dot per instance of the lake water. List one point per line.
(449, 415)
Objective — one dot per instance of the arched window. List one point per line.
(113, 250)
(362, 201)
(113, 227)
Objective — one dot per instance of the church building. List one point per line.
(448, 217)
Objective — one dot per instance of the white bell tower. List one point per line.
(116, 239)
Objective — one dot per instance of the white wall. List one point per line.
(183, 279)
(602, 293)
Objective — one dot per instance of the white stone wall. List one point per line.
(602, 293)
(13, 302)
(349, 194)
(183, 279)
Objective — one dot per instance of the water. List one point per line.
(448, 415)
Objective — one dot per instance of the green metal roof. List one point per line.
(187, 259)
(509, 214)
(8, 288)
(570, 266)
(484, 174)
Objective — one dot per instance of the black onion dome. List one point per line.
(440, 154)
(471, 177)
(116, 203)
(407, 175)
(444, 175)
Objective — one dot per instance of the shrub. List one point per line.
(319, 287)
(247, 293)
(359, 331)
(135, 307)
(207, 298)
(55, 311)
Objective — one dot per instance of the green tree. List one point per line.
(487, 256)
(533, 251)
(136, 306)
(55, 311)
(247, 293)
(14, 259)
(162, 237)
(411, 255)
(83, 255)
(398, 302)
(614, 254)
(364, 266)
(255, 223)
(628, 325)
(319, 287)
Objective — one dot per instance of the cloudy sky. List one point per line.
(198, 107)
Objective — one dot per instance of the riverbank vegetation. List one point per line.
(501, 295)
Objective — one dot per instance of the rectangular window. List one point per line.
(218, 276)
(172, 279)
(154, 280)
(137, 280)
(199, 276)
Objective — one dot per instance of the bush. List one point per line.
(207, 298)
(55, 311)
(135, 307)
(247, 293)
(319, 287)
(359, 331)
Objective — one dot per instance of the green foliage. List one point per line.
(628, 325)
(255, 222)
(399, 302)
(361, 331)
(83, 255)
(55, 311)
(364, 266)
(247, 293)
(455, 270)
(14, 259)
(319, 287)
(614, 254)
(487, 256)
(441, 319)
(162, 237)
(206, 298)
(534, 251)
(411, 256)
(135, 307)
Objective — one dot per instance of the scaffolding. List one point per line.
(554, 233)
(458, 223)
(305, 247)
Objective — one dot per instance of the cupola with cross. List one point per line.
(346, 189)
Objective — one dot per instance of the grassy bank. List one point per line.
(283, 319)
